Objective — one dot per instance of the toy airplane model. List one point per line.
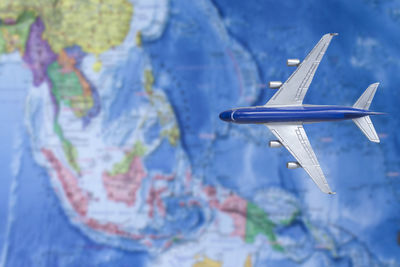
(284, 114)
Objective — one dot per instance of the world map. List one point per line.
(113, 153)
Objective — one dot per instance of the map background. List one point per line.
(364, 52)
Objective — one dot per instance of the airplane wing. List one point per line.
(292, 92)
(295, 140)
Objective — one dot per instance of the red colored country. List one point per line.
(154, 200)
(110, 228)
(123, 187)
(78, 199)
(233, 205)
(236, 207)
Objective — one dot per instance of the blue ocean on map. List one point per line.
(113, 154)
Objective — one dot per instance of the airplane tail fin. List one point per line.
(366, 126)
(365, 123)
(366, 98)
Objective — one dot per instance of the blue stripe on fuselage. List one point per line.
(288, 114)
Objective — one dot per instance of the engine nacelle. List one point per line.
(275, 143)
(293, 165)
(275, 84)
(293, 62)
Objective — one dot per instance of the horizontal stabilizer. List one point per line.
(366, 126)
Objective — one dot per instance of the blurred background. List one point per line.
(112, 152)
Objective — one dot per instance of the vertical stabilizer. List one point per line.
(366, 98)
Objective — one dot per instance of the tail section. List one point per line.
(366, 126)
(366, 98)
(365, 123)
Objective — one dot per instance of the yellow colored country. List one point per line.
(94, 25)
(13, 37)
(247, 263)
(207, 262)
(97, 66)
(148, 81)
(138, 38)
(11, 9)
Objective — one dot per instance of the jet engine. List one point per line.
(293, 62)
(275, 143)
(293, 165)
(275, 84)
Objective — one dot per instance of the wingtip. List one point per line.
(332, 193)
(375, 139)
(334, 33)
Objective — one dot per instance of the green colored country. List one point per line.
(257, 222)
(123, 166)
(67, 89)
(290, 220)
(69, 149)
(14, 36)
(72, 154)
(65, 86)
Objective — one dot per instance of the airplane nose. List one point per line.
(226, 115)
